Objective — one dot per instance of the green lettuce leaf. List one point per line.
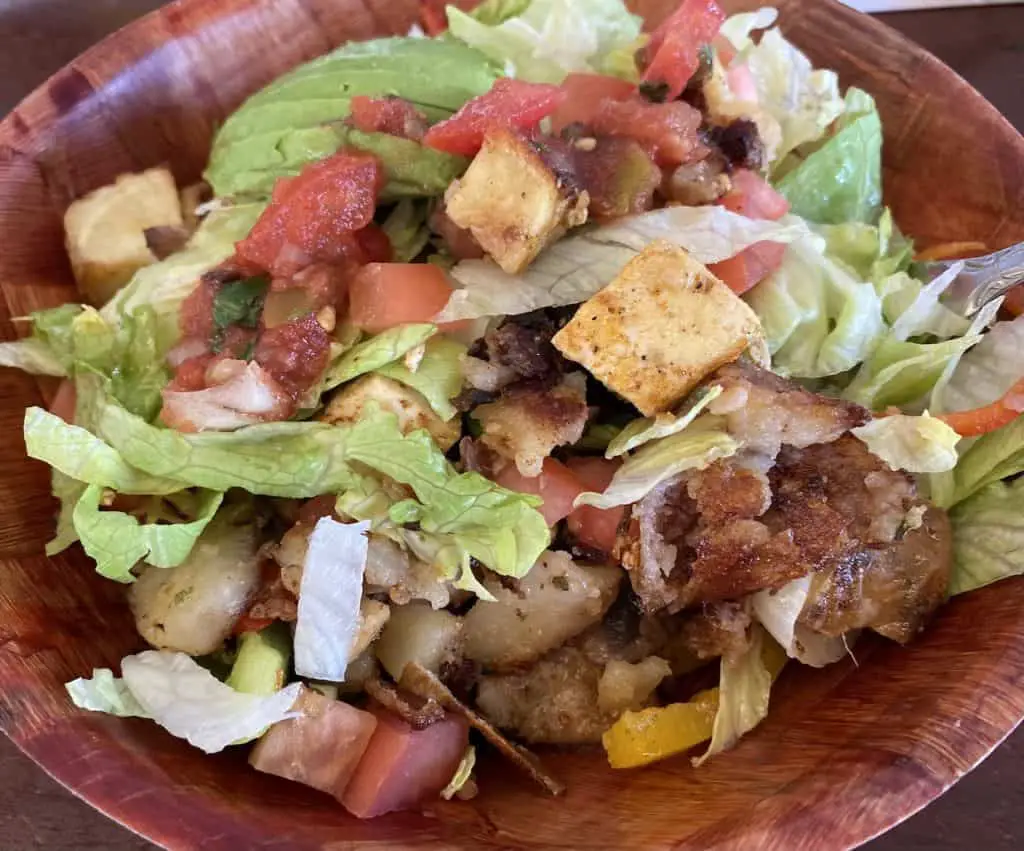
(840, 180)
(297, 119)
(921, 444)
(31, 355)
(377, 352)
(548, 39)
(68, 491)
(117, 541)
(104, 692)
(873, 252)
(899, 372)
(437, 376)
(695, 448)
(642, 431)
(494, 12)
(184, 698)
(819, 320)
(739, 28)
(573, 269)
(82, 456)
(744, 686)
(406, 228)
(990, 459)
(163, 286)
(988, 537)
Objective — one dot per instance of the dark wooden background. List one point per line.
(986, 46)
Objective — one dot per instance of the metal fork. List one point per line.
(982, 279)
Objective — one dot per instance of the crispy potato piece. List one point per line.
(659, 328)
(513, 202)
(105, 230)
(412, 410)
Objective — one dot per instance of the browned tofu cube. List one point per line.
(513, 202)
(659, 328)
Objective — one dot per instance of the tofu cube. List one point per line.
(659, 328)
(411, 408)
(105, 230)
(513, 202)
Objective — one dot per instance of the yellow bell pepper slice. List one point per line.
(640, 738)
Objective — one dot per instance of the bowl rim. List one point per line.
(146, 37)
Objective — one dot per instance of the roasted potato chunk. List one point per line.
(659, 328)
(106, 230)
(513, 202)
(412, 410)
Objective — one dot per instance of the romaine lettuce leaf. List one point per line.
(82, 456)
(744, 686)
(986, 372)
(778, 611)
(183, 698)
(437, 376)
(572, 270)
(921, 444)
(67, 491)
(818, 319)
(547, 39)
(296, 120)
(377, 352)
(31, 355)
(899, 373)
(500, 528)
(117, 541)
(840, 180)
(991, 458)
(642, 431)
(695, 448)
(988, 536)
(873, 252)
(329, 599)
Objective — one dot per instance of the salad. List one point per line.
(529, 379)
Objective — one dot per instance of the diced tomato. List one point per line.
(402, 767)
(191, 374)
(375, 244)
(510, 103)
(247, 623)
(392, 115)
(294, 354)
(752, 196)
(741, 83)
(432, 17)
(195, 317)
(595, 527)
(317, 212)
(556, 485)
(673, 51)
(667, 130)
(383, 295)
(64, 400)
(981, 421)
(750, 266)
(1015, 300)
(584, 95)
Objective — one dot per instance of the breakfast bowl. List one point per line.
(846, 752)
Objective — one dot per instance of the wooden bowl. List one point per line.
(846, 752)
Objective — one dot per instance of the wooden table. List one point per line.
(985, 45)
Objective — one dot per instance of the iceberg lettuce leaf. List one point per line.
(917, 444)
(377, 352)
(988, 537)
(437, 376)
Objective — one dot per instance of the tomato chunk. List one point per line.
(668, 131)
(595, 527)
(392, 115)
(751, 266)
(316, 213)
(510, 103)
(584, 95)
(402, 767)
(752, 196)
(673, 51)
(383, 295)
(556, 485)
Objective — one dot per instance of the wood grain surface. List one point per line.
(846, 751)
